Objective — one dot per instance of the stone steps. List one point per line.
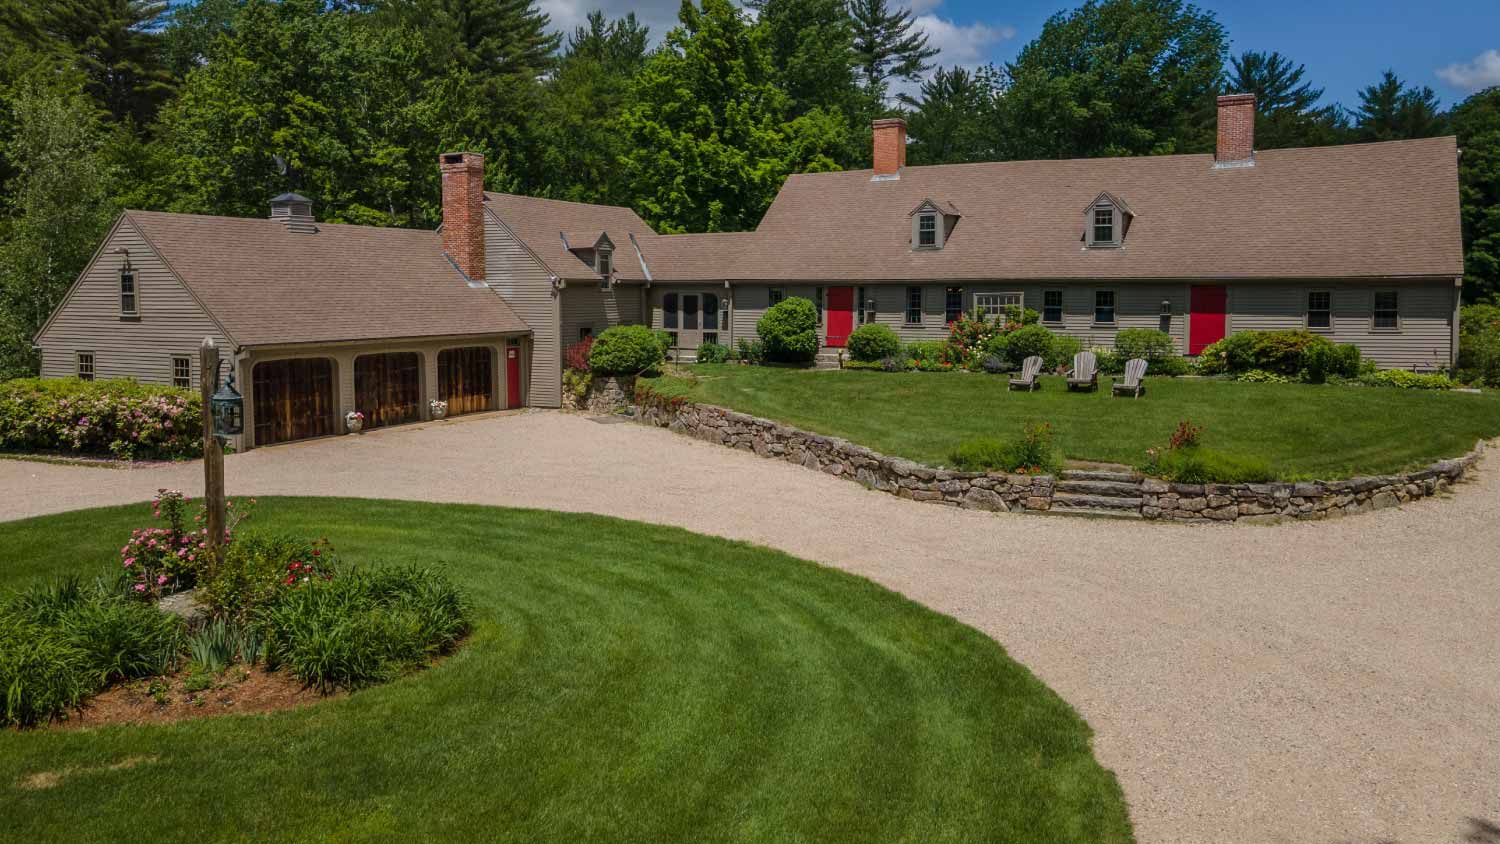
(1077, 501)
(1108, 489)
(1100, 475)
(1060, 508)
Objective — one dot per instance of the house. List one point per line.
(1358, 242)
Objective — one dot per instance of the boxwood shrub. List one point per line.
(1146, 343)
(789, 331)
(119, 418)
(1027, 341)
(872, 342)
(626, 350)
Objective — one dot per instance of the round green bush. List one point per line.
(1062, 351)
(1147, 343)
(712, 353)
(1027, 341)
(790, 331)
(873, 341)
(626, 350)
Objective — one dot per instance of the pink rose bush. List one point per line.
(168, 557)
(119, 418)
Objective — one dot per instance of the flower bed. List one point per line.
(276, 604)
(122, 419)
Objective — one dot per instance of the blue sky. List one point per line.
(1451, 45)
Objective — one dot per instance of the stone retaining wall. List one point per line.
(605, 395)
(1003, 492)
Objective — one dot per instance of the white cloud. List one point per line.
(1482, 72)
(961, 45)
(660, 15)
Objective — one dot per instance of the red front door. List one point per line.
(1206, 317)
(512, 377)
(840, 315)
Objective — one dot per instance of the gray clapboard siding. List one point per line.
(170, 322)
(1423, 341)
(585, 305)
(517, 275)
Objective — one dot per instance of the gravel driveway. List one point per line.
(1335, 682)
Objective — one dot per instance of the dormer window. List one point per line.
(927, 230)
(932, 224)
(602, 261)
(1106, 221)
(1104, 226)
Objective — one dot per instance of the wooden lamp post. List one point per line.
(223, 416)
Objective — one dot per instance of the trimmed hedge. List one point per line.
(1146, 343)
(117, 417)
(873, 341)
(626, 350)
(789, 331)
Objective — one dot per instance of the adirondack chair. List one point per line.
(1030, 369)
(1085, 372)
(1133, 382)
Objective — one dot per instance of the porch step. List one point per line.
(1079, 501)
(1059, 509)
(827, 358)
(1100, 475)
(1108, 489)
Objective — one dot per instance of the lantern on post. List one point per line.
(228, 410)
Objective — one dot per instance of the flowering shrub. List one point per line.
(1186, 435)
(162, 560)
(257, 570)
(120, 418)
(969, 338)
(576, 356)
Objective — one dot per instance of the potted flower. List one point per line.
(438, 407)
(355, 421)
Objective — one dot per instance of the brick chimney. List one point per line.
(1236, 131)
(463, 211)
(890, 147)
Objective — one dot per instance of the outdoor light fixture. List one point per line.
(228, 409)
(1166, 307)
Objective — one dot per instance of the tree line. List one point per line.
(214, 106)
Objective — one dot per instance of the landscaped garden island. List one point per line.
(621, 682)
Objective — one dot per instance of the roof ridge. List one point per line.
(562, 201)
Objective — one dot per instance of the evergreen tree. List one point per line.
(118, 45)
(1116, 77)
(192, 29)
(1286, 109)
(1390, 111)
(950, 116)
(707, 133)
(1476, 121)
(812, 50)
(885, 47)
(577, 133)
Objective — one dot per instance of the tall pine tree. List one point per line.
(1476, 121)
(1286, 108)
(951, 115)
(1390, 111)
(885, 45)
(118, 45)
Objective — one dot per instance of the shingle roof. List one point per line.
(1387, 209)
(267, 285)
(540, 224)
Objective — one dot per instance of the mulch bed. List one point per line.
(235, 692)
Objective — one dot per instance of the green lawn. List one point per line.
(1304, 431)
(625, 683)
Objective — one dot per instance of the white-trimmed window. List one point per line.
(996, 304)
(604, 262)
(1387, 313)
(1104, 307)
(1104, 227)
(129, 296)
(1052, 306)
(913, 306)
(927, 231)
(85, 366)
(669, 312)
(1319, 310)
(182, 371)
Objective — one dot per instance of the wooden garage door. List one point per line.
(466, 379)
(293, 399)
(388, 388)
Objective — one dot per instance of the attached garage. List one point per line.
(466, 379)
(388, 388)
(293, 399)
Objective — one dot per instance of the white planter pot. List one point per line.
(354, 423)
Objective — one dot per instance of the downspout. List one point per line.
(1458, 301)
